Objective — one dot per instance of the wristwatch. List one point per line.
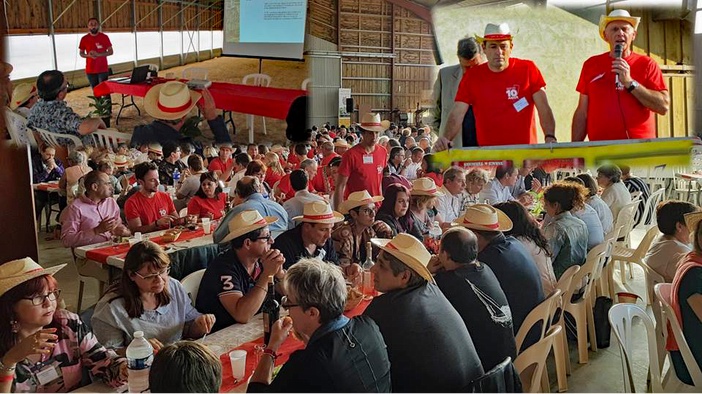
(633, 85)
(6, 368)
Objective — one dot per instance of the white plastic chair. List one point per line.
(153, 67)
(110, 138)
(663, 294)
(17, 128)
(625, 256)
(195, 73)
(535, 355)
(191, 284)
(621, 317)
(305, 83)
(561, 344)
(51, 138)
(256, 80)
(625, 218)
(649, 212)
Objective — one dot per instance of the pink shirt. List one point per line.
(84, 215)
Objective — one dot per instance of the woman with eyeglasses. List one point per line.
(395, 211)
(147, 299)
(258, 169)
(209, 201)
(351, 237)
(44, 348)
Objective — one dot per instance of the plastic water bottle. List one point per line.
(176, 176)
(140, 355)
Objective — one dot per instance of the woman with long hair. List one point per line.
(566, 234)
(44, 348)
(147, 299)
(527, 231)
(274, 169)
(395, 211)
(258, 169)
(209, 201)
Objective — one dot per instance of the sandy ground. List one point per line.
(284, 74)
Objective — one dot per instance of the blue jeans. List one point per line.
(95, 79)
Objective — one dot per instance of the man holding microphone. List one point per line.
(626, 88)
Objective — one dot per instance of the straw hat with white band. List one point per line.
(357, 199)
(15, 272)
(618, 15)
(409, 250)
(425, 187)
(21, 94)
(319, 212)
(484, 217)
(246, 222)
(170, 100)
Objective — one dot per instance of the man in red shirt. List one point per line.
(626, 88)
(362, 166)
(95, 47)
(149, 209)
(222, 166)
(504, 93)
(327, 150)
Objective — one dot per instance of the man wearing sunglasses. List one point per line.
(234, 285)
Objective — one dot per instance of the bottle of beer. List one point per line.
(271, 311)
(368, 287)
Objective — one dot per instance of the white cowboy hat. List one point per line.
(409, 250)
(484, 217)
(120, 161)
(170, 100)
(618, 15)
(371, 122)
(319, 212)
(495, 32)
(155, 148)
(15, 272)
(226, 145)
(425, 187)
(356, 199)
(21, 94)
(341, 143)
(245, 222)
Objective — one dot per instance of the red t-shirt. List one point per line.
(271, 177)
(287, 188)
(218, 165)
(364, 171)
(318, 181)
(502, 102)
(202, 207)
(605, 118)
(147, 209)
(99, 43)
(438, 178)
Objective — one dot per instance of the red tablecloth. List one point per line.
(286, 349)
(47, 186)
(245, 99)
(101, 254)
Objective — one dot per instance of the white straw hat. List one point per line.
(409, 250)
(356, 199)
(170, 100)
(425, 187)
(15, 272)
(246, 222)
(484, 217)
(319, 212)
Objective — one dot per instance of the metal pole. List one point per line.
(182, 62)
(51, 32)
(160, 30)
(197, 50)
(134, 30)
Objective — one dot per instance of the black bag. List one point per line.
(603, 329)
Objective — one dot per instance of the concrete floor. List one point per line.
(603, 373)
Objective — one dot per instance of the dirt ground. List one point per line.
(284, 74)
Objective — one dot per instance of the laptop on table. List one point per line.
(139, 75)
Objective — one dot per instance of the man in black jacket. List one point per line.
(341, 355)
(429, 346)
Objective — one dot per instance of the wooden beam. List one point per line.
(422, 12)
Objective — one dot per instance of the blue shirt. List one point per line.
(255, 202)
(567, 237)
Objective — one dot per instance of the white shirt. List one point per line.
(543, 263)
(664, 255)
(603, 212)
(495, 192)
(448, 205)
(411, 171)
(616, 196)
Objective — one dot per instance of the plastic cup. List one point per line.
(238, 361)
(206, 225)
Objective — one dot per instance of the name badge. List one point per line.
(47, 375)
(367, 159)
(521, 104)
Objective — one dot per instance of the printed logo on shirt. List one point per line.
(513, 92)
(162, 212)
(380, 169)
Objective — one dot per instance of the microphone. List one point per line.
(617, 55)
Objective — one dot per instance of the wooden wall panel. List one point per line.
(27, 17)
(116, 15)
(147, 15)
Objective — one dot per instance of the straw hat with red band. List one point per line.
(371, 122)
(21, 94)
(425, 187)
(484, 217)
(120, 161)
(357, 199)
(319, 212)
(341, 143)
(692, 219)
(155, 148)
(618, 15)
(15, 272)
(170, 100)
(495, 32)
(246, 222)
(409, 250)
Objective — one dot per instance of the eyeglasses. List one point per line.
(284, 303)
(267, 238)
(39, 299)
(163, 272)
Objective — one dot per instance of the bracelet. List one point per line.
(271, 353)
(549, 135)
(5, 368)
(265, 290)
(7, 378)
